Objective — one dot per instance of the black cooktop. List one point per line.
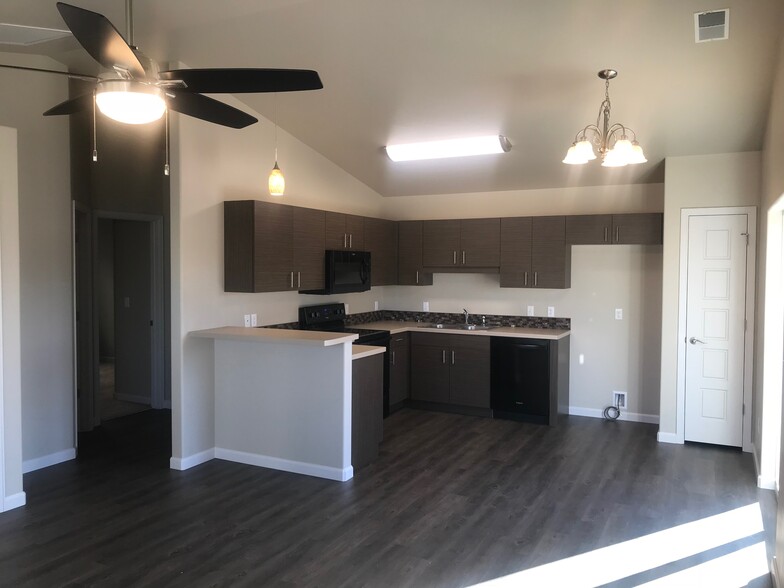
(331, 318)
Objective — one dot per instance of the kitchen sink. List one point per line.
(456, 326)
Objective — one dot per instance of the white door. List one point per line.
(715, 328)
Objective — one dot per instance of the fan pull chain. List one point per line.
(166, 123)
(95, 134)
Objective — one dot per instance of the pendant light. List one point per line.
(277, 183)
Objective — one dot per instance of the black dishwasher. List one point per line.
(520, 379)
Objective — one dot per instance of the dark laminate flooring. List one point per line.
(451, 501)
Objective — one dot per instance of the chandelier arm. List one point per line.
(583, 132)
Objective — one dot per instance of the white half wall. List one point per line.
(11, 493)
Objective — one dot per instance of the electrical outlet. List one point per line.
(551, 311)
(426, 306)
(247, 320)
(619, 399)
(530, 310)
(618, 314)
(254, 320)
(581, 359)
(375, 305)
(346, 307)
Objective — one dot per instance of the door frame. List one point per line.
(157, 285)
(748, 344)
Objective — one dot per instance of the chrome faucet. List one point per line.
(466, 315)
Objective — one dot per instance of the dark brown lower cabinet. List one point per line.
(367, 408)
(399, 370)
(451, 369)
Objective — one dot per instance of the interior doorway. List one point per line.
(122, 342)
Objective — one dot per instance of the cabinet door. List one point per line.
(589, 229)
(399, 366)
(273, 265)
(381, 241)
(429, 373)
(308, 241)
(638, 229)
(480, 242)
(550, 255)
(335, 235)
(238, 246)
(440, 243)
(469, 375)
(355, 229)
(409, 248)
(516, 252)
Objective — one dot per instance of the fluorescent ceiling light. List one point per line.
(449, 148)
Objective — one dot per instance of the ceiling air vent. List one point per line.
(11, 34)
(712, 26)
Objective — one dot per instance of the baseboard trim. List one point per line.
(14, 501)
(668, 438)
(45, 461)
(598, 413)
(133, 398)
(286, 465)
(191, 461)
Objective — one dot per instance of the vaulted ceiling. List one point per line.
(415, 70)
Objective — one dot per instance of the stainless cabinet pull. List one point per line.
(417, 277)
(617, 234)
(453, 357)
(454, 258)
(350, 241)
(443, 356)
(292, 279)
(525, 279)
(605, 234)
(393, 358)
(463, 257)
(299, 279)
(536, 278)
(345, 241)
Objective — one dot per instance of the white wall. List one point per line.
(11, 493)
(45, 258)
(730, 179)
(211, 164)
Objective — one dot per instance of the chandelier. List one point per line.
(612, 141)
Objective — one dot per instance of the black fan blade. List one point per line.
(72, 106)
(199, 106)
(100, 39)
(244, 81)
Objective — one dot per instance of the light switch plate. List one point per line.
(254, 320)
(581, 359)
(346, 306)
(618, 314)
(375, 305)
(426, 306)
(551, 311)
(530, 310)
(246, 321)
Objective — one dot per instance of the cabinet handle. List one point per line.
(536, 278)
(417, 277)
(443, 356)
(525, 279)
(454, 258)
(299, 279)
(453, 357)
(463, 257)
(292, 280)
(350, 240)
(605, 234)
(393, 358)
(617, 234)
(345, 241)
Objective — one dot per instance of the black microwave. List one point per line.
(345, 271)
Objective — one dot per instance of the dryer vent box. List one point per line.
(712, 26)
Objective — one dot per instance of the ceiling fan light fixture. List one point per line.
(462, 147)
(130, 102)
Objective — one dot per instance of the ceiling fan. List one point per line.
(132, 90)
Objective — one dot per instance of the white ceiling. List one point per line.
(411, 70)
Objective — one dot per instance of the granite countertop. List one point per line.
(395, 327)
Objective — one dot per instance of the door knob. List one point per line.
(694, 341)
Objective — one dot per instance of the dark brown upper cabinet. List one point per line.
(619, 229)
(381, 241)
(458, 244)
(345, 231)
(272, 247)
(534, 253)
(409, 246)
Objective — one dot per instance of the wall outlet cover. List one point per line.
(618, 314)
(426, 306)
(619, 399)
(531, 310)
(254, 320)
(246, 320)
(551, 311)
(375, 305)
(347, 312)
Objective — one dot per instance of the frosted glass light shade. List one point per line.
(614, 158)
(485, 145)
(585, 150)
(573, 157)
(277, 183)
(130, 102)
(637, 155)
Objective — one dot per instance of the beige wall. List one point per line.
(45, 257)
(730, 179)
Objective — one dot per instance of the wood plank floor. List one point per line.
(451, 501)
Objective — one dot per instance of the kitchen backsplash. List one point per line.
(493, 320)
